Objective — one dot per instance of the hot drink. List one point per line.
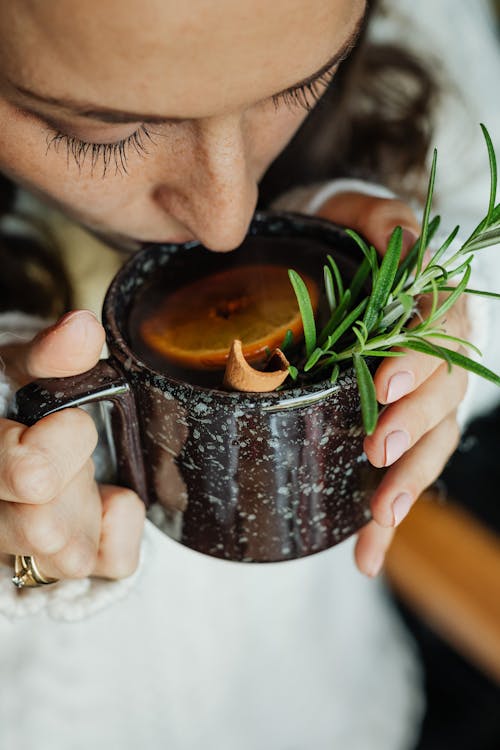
(183, 323)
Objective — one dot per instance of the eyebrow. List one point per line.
(110, 115)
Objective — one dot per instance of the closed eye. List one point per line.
(306, 95)
(106, 154)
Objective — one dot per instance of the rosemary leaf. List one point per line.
(368, 251)
(367, 395)
(385, 279)
(435, 301)
(409, 262)
(450, 301)
(329, 288)
(495, 217)
(359, 335)
(424, 236)
(363, 329)
(472, 291)
(392, 312)
(460, 269)
(442, 272)
(338, 277)
(426, 347)
(399, 284)
(336, 318)
(407, 302)
(444, 247)
(313, 359)
(335, 374)
(454, 358)
(306, 311)
(493, 173)
(287, 341)
(456, 340)
(484, 239)
(385, 353)
(346, 324)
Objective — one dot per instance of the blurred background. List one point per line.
(444, 569)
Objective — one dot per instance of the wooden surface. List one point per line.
(446, 566)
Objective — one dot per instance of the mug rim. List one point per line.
(288, 398)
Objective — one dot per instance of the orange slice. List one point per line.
(195, 326)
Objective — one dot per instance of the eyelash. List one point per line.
(108, 153)
(305, 96)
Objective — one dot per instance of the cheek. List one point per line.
(21, 151)
(273, 129)
(27, 159)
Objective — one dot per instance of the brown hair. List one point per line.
(373, 122)
(32, 278)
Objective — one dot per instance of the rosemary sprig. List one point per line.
(359, 329)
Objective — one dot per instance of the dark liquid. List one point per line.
(306, 256)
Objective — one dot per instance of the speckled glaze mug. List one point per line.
(240, 476)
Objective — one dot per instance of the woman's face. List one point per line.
(154, 120)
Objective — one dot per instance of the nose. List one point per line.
(213, 193)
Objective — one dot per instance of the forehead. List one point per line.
(182, 58)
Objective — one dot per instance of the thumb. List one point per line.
(69, 347)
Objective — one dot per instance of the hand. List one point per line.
(51, 506)
(417, 432)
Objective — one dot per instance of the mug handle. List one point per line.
(104, 382)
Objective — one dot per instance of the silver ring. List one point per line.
(27, 573)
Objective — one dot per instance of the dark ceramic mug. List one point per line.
(249, 477)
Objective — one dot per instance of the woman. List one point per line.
(159, 125)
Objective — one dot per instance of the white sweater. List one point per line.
(200, 653)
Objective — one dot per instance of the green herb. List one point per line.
(306, 311)
(366, 386)
(359, 329)
(287, 341)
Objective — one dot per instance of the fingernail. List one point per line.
(375, 565)
(401, 507)
(396, 443)
(83, 315)
(409, 239)
(399, 385)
